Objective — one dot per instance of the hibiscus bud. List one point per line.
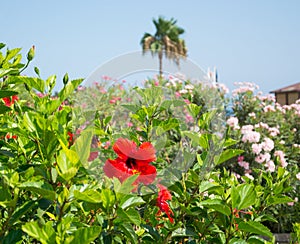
(30, 54)
(37, 71)
(66, 79)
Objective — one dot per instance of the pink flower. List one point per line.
(246, 128)
(189, 118)
(267, 145)
(233, 122)
(281, 155)
(251, 136)
(249, 176)
(177, 94)
(274, 131)
(262, 158)
(256, 148)
(269, 108)
(240, 158)
(129, 124)
(270, 166)
(244, 164)
(298, 176)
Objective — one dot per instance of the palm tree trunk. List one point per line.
(160, 56)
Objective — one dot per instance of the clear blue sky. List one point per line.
(247, 40)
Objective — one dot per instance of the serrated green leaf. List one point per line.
(228, 154)
(256, 228)
(217, 205)
(86, 235)
(45, 233)
(90, 195)
(40, 187)
(130, 201)
(128, 216)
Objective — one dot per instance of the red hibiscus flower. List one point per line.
(9, 101)
(163, 196)
(132, 160)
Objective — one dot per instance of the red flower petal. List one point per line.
(124, 148)
(147, 174)
(117, 168)
(145, 153)
(161, 202)
(9, 101)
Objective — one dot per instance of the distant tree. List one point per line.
(165, 41)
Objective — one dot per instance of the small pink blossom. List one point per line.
(189, 118)
(280, 154)
(270, 166)
(267, 145)
(249, 176)
(262, 158)
(177, 94)
(246, 128)
(233, 122)
(298, 176)
(256, 148)
(273, 131)
(244, 164)
(251, 136)
(240, 158)
(129, 124)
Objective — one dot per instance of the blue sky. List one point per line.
(247, 40)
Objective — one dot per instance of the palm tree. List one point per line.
(165, 41)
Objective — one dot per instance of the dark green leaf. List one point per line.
(256, 228)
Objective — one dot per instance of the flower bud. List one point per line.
(66, 79)
(30, 54)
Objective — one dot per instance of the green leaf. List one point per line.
(40, 187)
(86, 235)
(4, 109)
(130, 201)
(90, 195)
(228, 154)
(108, 198)
(69, 89)
(7, 93)
(129, 232)
(33, 83)
(126, 187)
(45, 233)
(217, 205)
(66, 167)
(255, 240)
(131, 107)
(130, 215)
(274, 200)
(19, 212)
(14, 236)
(183, 233)
(243, 196)
(256, 228)
(206, 186)
(83, 146)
